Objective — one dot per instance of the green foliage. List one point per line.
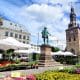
(68, 70)
(2, 51)
(17, 66)
(13, 66)
(35, 56)
(77, 65)
(55, 49)
(9, 54)
(10, 51)
(51, 75)
(66, 59)
(17, 61)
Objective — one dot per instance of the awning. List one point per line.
(26, 51)
(63, 53)
(12, 43)
(23, 51)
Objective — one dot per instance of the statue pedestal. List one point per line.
(46, 58)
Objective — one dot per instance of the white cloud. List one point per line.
(63, 2)
(45, 15)
(42, 13)
(53, 16)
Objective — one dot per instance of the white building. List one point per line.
(35, 48)
(10, 29)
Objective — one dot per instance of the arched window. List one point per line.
(74, 38)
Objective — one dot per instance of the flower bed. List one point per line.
(50, 75)
(13, 67)
(4, 63)
(47, 75)
(18, 76)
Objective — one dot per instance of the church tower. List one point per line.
(73, 34)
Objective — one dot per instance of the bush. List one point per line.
(17, 61)
(51, 75)
(13, 67)
(68, 70)
(77, 65)
(55, 49)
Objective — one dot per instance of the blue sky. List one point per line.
(34, 14)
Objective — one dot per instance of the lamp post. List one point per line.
(37, 40)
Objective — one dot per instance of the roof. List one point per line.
(12, 25)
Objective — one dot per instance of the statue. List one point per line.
(45, 35)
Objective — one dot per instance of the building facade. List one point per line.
(10, 29)
(73, 34)
(35, 48)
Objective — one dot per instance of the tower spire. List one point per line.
(72, 17)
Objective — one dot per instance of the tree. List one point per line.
(9, 53)
(35, 56)
(55, 49)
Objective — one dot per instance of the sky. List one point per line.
(35, 14)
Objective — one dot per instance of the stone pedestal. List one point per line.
(45, 57)
(45, 52)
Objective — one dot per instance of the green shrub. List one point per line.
(77, 65)
(68, 70)
(51, 75)
(17, 61)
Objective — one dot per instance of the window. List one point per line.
(20, 36)
(16, 35)
(24, 37)
(27, 42)
(74, 38)
(37, 48)
(11, 34)
(27, 37)
(69, 39)
(23, 41)
(6, 33)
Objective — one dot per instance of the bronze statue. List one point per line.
(45, 36)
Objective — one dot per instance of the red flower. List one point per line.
(31, 77)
